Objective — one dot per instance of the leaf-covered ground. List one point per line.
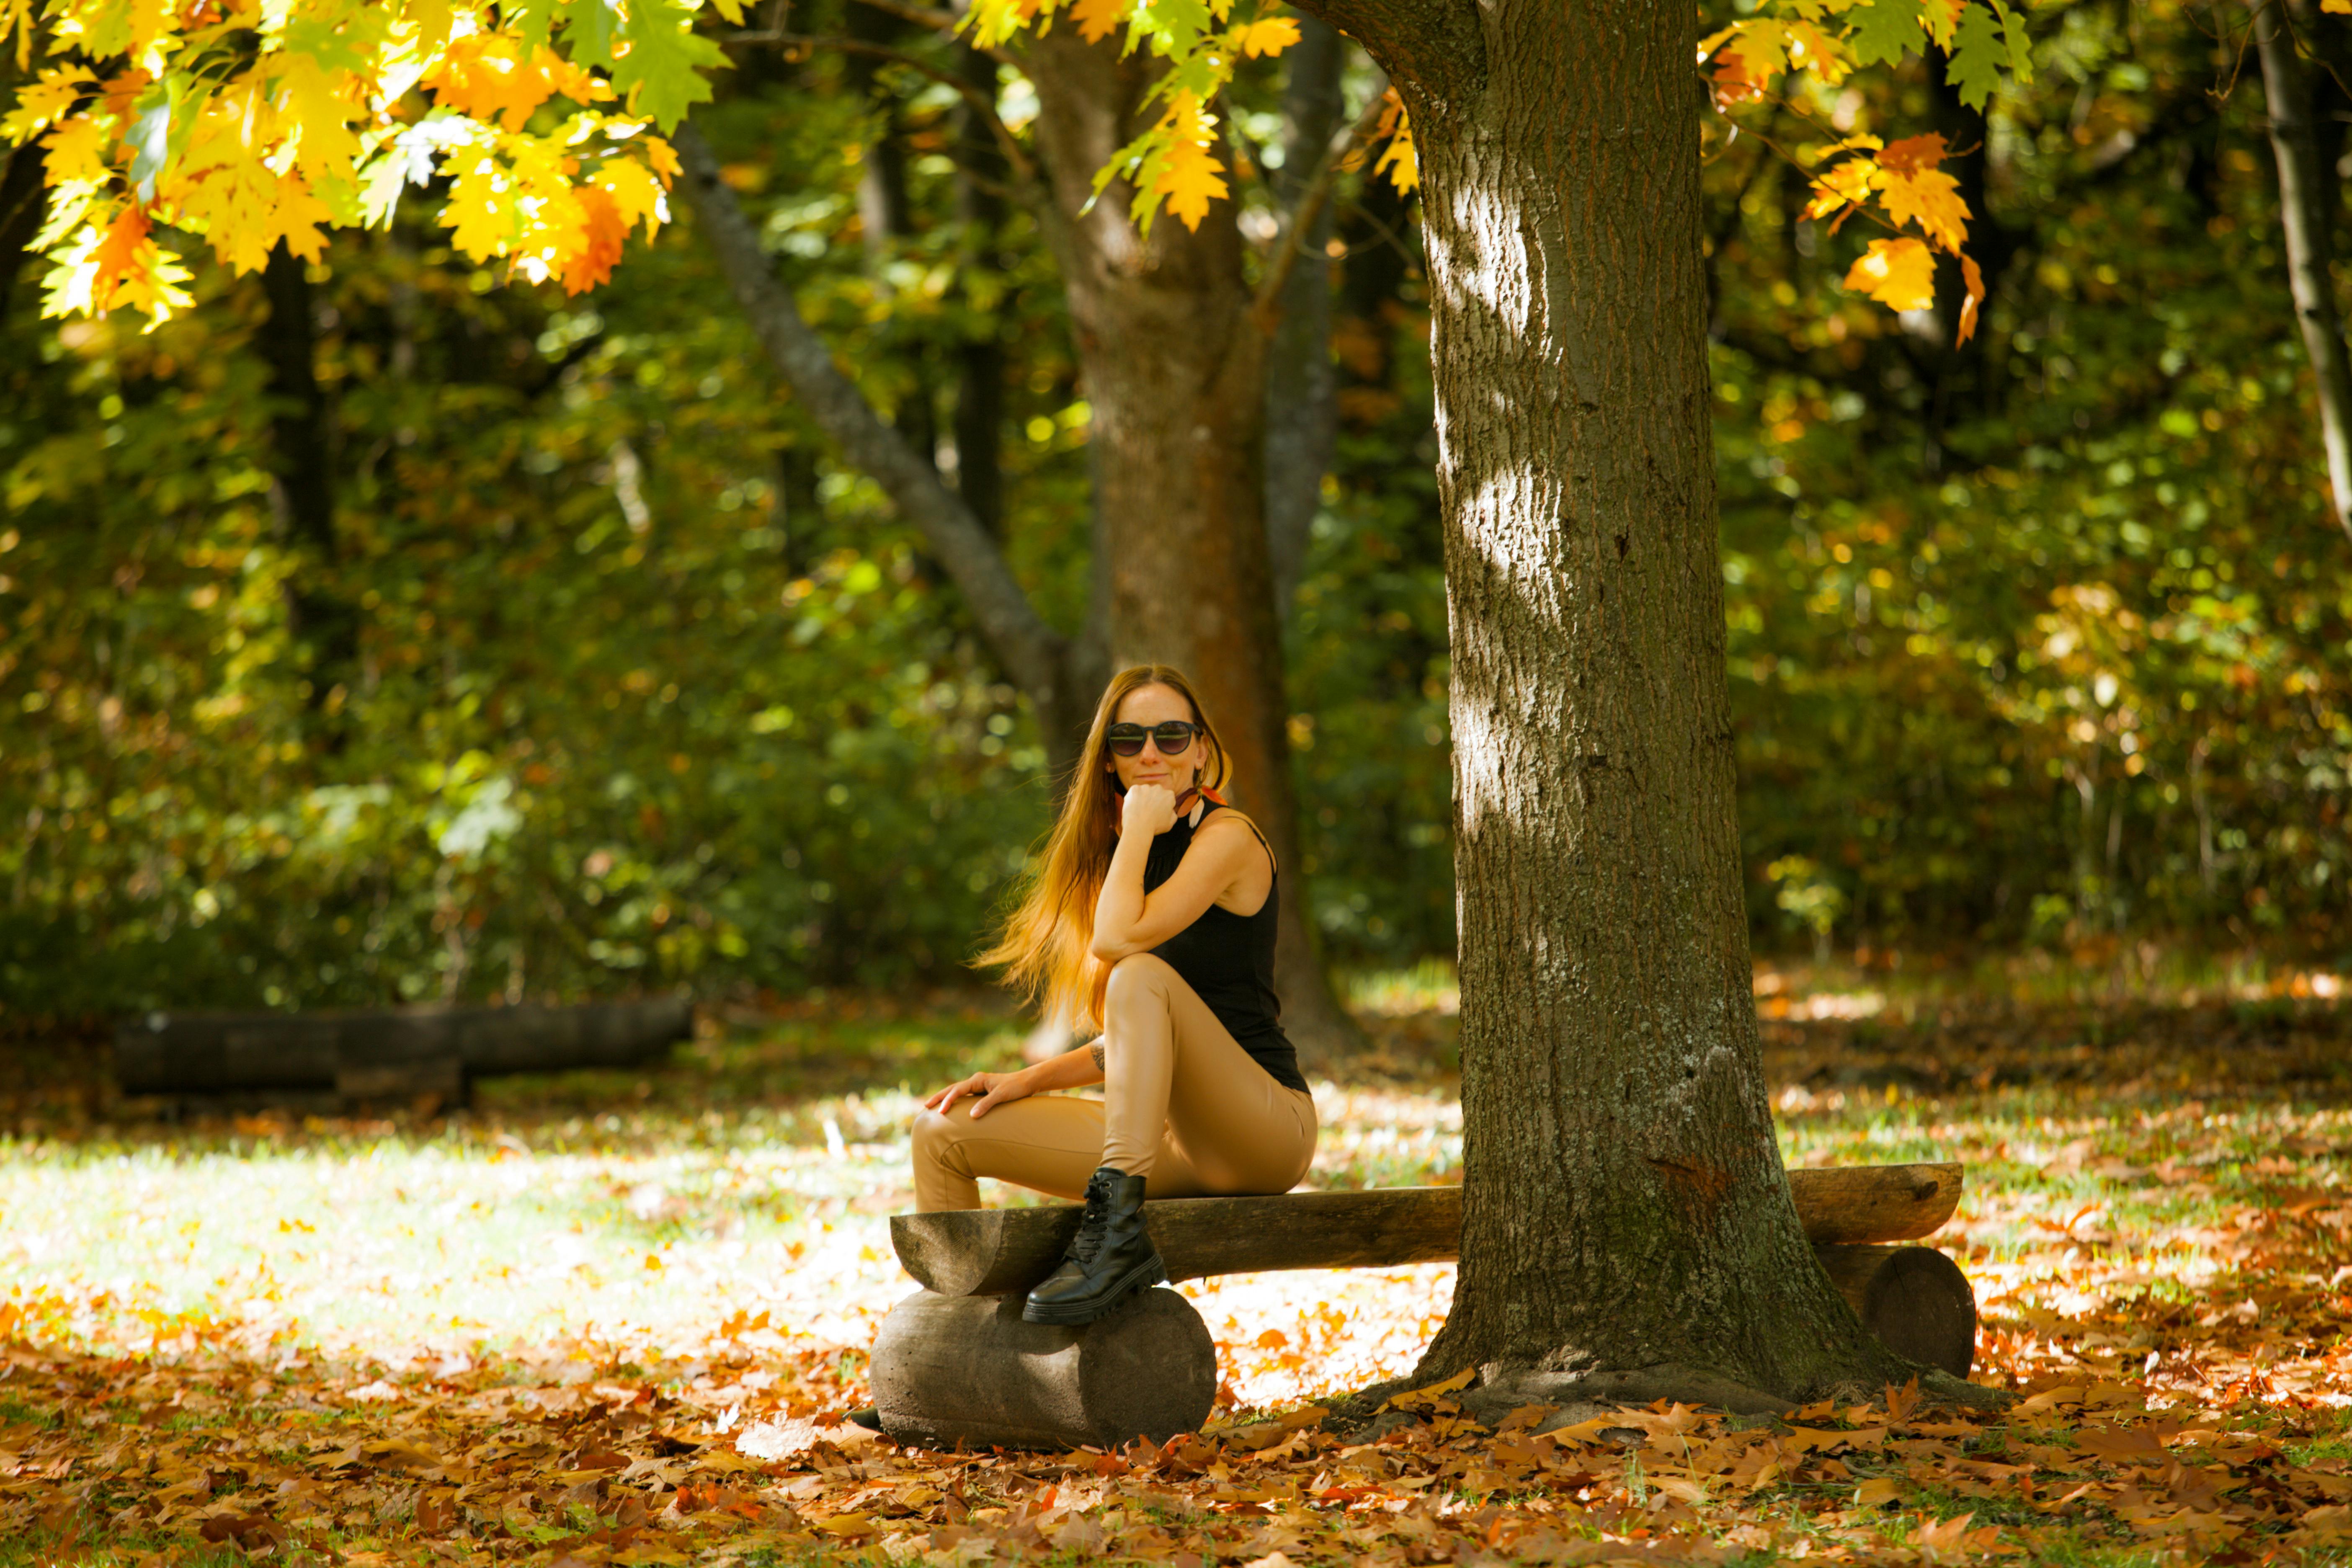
(619, 1318)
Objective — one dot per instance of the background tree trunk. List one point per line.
(980, 358)
(302, 486)
(2307, 205)
(1625, 1209)
(23, 201)
(1175, 368)
(1302, 390)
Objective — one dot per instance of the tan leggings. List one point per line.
(1184, 1106)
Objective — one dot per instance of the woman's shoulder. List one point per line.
(1229, 824)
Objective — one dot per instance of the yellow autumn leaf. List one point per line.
(1809, 48)
(119, 264)
(2336, 8)
(1911, 154)
(488, 77)
(152, 42)
(1758, 52)
(1898, 273)
(1398, 160)
(244, 210)
(551, 225)
(480, 212)
(993, 21)
(76, 151)
(1270, 36)
(318, 109)
(1931, 199)
(634, 193)
(428, 25)
(603, 233)
(1848, 183)
(1097, 20)
(42, 104)
(1190, 177)
(1974, 302)
(848, 1526)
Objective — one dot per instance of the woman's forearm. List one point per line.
(1120, 904)
(1071, 1070)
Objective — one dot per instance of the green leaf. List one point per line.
(589, 31)
(1883, 31)
(662, 73)
(339, 43)
(1978, 52)
(151, 139)
(2020, 43)
(533, 20)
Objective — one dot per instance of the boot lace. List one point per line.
(1095, 1224)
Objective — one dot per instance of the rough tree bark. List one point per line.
(1627, 1223)
(1173, 364)
(2307, 192)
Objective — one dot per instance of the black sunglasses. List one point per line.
(1171, 738)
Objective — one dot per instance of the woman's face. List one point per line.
(1148, 706)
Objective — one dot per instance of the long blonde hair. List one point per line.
(1044, 944)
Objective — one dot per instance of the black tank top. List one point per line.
(1228, 959)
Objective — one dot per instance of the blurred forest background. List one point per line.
(387, 628)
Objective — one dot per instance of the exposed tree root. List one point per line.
(1575, 1397)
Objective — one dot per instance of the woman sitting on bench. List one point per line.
(1153, 917)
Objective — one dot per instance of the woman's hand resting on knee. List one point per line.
(986, 1089)
(1071, 1070)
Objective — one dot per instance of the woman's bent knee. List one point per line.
(1140, 974)
(934, 1133)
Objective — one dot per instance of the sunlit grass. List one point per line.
(756, 1174)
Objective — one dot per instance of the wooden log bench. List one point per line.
(954, 1362)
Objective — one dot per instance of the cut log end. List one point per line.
(1914, 1299)
(966, 1369)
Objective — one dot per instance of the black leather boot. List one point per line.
(1111, 1254)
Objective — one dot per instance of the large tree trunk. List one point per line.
(1626, 1210)
(1174, 371)
(2307, 205)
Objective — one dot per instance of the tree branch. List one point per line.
(929, 17)
(981, 103)
(1029, 650)
(1266, 312)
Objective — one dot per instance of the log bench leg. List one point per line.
(951, 1369)
(1915, 1298)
